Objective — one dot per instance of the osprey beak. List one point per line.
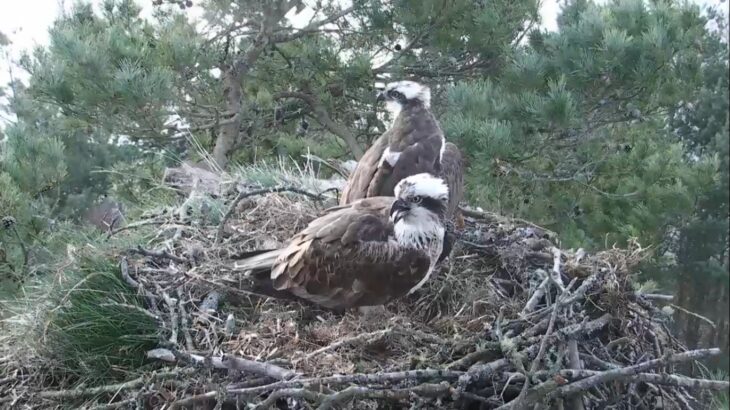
(380, 97)
(398, 210)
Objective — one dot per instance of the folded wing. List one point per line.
(348, 258)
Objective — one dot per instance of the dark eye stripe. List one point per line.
(396, 94)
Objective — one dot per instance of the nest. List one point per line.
(509, 321)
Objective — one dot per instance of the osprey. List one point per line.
(365, 253)
(414, 144)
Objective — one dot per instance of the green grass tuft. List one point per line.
(720, 400)
(99, 328)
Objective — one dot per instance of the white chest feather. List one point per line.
(422, 233)
(391, 157)
(443, 148)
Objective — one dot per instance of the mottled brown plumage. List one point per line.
(417, 138)
(345, 258)
(416, 135)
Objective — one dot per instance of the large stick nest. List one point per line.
(510, 320)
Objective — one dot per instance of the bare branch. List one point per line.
(630, 371)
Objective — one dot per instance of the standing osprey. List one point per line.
(414, 144)
(365, 253)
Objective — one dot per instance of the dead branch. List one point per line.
(159, 255)
(364, 337)
(358, 392)
(630, 371)
(225, 361)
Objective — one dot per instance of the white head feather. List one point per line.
(423, 184)
(411, 90)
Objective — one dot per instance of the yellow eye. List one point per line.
(417, 199)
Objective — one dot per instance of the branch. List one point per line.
(358, 338)
(159, 255)
(225, 361)
(289, 393)
(630, 371)
(697, 315)
(576, 402)
(359, 378)
(358, 392)
(654, 378)
(312, 27)
(124, 269)
(321, 114)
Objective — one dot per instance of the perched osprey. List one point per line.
(365, 253)
(414, 144)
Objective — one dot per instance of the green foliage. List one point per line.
(97, 327)
(572, 136)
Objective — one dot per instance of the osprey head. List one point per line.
(419, 196)
(400, 93)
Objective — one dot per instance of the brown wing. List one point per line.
(362, 176)
(348, 258)
(452, 170)
(417, 136)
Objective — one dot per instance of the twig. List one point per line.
(490, 216)
(474, 357)
(359, 378)
(655, 296)
(287, 393)
(536, 296)
(149, 296)
(171, 305)
(575, 402)
(115, 405)
(359, 392)
(160, 255)
(630, 371)
(114, 388)
(184, 321)
(243, 195)
(520, 400)
(697, 315)
(224, 362)
(655, 378)
(349, 340)
(136, 225)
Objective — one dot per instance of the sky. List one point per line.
(26, 23)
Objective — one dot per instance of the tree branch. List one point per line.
(323, 117)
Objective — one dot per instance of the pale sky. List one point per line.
(26, 23)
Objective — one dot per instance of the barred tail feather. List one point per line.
(257, 266)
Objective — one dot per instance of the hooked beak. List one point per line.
(399, 210)
(380, 97)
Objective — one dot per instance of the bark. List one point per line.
(233, 76)
(232, 91)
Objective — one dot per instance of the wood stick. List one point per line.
(355, 339)
(630, 371)
(224, 362)
(359, 392)
(159, 255)
(575, 402)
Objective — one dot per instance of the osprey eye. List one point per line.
(417, 199)
(396, 94)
